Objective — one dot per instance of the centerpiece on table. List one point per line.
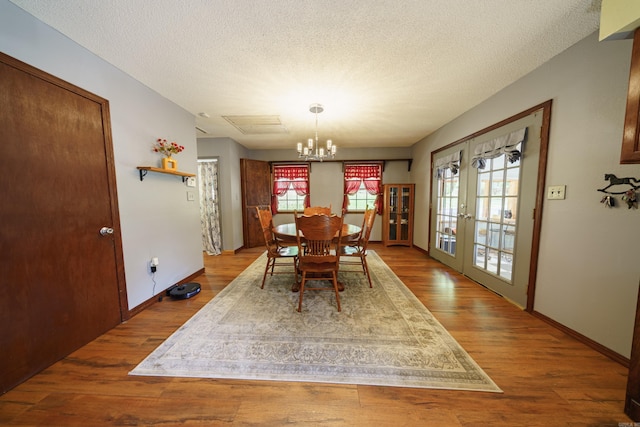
(167, 149)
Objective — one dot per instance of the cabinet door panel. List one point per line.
(397, 226)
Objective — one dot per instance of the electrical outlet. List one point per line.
(153, 264)
(191, 182)
(556, 192)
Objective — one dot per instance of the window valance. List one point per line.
(290, 173)
(505, 144)
(451, 162)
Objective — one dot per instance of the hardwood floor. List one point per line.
(548, 378)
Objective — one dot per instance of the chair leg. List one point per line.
(266, 270)
(295, 268)
(304, 279)
(365, 266)
(335, 287)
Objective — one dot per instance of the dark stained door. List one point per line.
(256, 191)
(62, 281)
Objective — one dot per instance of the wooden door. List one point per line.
(256, 191)
(63, 282)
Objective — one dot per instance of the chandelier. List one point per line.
(313, 151)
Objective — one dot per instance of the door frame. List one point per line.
(540, 185)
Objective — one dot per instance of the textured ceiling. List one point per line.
(387, 72)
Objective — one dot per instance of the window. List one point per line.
(362, 187)
(290, 201)
(361, 199)
(290, 188)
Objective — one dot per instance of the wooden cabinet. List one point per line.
(397, 218)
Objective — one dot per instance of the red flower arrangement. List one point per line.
(167, 148)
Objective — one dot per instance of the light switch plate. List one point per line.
(190, 196)
(556, 192)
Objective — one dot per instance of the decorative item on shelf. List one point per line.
(311, 152)
(167, 149)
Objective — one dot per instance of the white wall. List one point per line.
(156, 218)
(589, 261)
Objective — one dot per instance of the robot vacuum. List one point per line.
(184, 291)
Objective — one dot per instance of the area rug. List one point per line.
(384, 336)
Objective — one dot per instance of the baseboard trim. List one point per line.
(585, 340)
(148, 303)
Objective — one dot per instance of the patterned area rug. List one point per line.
(383, 336)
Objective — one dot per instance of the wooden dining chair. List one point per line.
(357, 248)
(320, 256)
(317, 210)
(275, 250)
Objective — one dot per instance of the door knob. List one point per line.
(106, 231)
(468, 216)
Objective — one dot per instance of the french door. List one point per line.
(483, 206)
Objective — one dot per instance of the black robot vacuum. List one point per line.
(184, 291)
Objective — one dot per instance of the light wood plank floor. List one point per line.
(548, 378)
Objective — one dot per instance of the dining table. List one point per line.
(287, 234)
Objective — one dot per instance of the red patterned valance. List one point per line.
(362, 171)
(290, 173)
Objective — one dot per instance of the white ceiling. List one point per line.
(388, 72)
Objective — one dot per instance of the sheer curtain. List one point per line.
(209, 212)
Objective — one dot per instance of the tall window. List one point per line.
(290, 188)
(362, 187)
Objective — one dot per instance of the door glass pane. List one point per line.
(481, 232)
(483, 184)
(447, 215)
(496, 217)
(513, 175)
(480, 256)
(492, 261)
(482, 209)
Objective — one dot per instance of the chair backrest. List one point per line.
(367, 225)
(321, 235)
(266, 223)
(317, 210)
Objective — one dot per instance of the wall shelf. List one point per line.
(145, 169)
